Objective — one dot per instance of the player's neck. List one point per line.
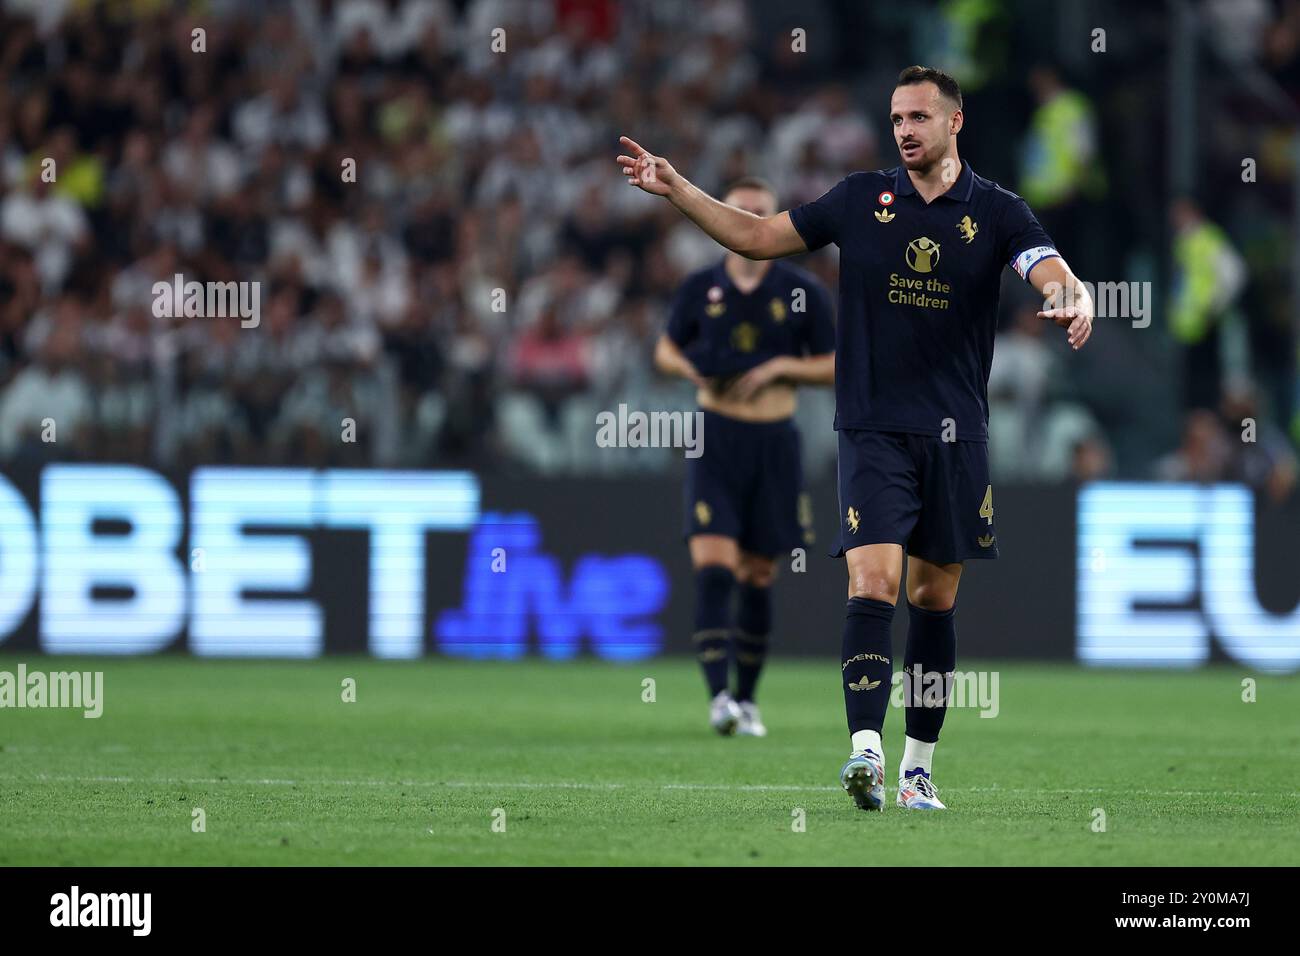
(745, 274)
(932, 182)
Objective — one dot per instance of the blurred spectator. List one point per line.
(1019, 380)
(1060, 160)
(1091, 460)
(1061, 176)
(1203, 456)
(550, 361)
(47, 408)
(1035, 423)
(52, 226)
(1209, 278)
(1262, 458)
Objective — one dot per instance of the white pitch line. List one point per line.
(576, 785)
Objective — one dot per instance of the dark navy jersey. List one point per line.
(919, 296)
(725, 332)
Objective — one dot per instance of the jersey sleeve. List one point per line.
(820, 222)
(819, 324)
(683, 318)
(1025, 243)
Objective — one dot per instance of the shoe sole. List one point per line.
(859, 782)
(727, 728)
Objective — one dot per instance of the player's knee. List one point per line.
(713, 551)
(874, 585)
(717, 559)
(931, 597)
(757, 573)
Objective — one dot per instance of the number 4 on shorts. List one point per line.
(986, 509)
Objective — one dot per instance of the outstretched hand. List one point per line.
(1078, 321)
(653, 174)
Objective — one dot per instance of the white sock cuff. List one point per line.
(916, 753)
(868, 740)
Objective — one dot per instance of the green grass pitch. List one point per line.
(582, 771)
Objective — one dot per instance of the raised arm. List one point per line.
(754, 237)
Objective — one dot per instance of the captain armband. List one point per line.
(1030, 258)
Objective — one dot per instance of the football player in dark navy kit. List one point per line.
(746, 333)
(922, 248)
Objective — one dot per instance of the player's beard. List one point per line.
(926, 160)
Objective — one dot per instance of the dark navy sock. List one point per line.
(753, 625)
(866, 663)
(713, 587)
(931, 651)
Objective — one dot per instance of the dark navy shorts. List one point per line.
(931, 496)
(748, 485)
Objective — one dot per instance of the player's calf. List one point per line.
(753, 627)
(714, 585)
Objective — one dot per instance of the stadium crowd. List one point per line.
(486, 282)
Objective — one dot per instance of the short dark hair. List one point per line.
(749, 182)
(928, 74)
